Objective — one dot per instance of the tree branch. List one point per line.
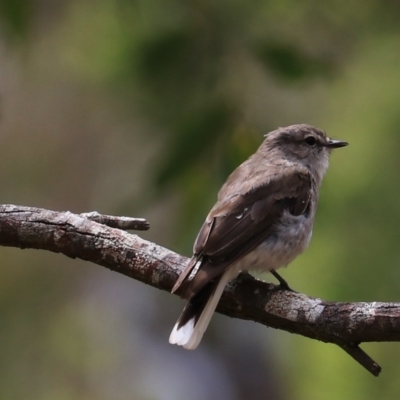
(79, 236)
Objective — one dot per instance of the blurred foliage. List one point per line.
(291, 64)
(17, 16)
(123, 101)
(192, 141)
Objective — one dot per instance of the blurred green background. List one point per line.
(142, 108)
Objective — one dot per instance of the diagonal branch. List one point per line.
(78, 236)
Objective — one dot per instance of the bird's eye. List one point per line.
(310, 141)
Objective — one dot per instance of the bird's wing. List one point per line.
(238, 224)
(232, 223)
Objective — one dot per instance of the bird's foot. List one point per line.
(282, 283)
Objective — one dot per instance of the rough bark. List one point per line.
(107, 244)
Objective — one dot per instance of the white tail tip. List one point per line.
(185, 336)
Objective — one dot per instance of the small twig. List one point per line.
(362, 357)
(124, 223)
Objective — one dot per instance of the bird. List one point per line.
(262, 220)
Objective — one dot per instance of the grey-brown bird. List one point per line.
(262, 220)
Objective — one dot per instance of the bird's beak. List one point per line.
(334, 144)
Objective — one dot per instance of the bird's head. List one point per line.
(304, 144)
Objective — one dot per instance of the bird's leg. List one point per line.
(282, 283)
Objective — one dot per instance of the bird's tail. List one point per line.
(193, 322)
